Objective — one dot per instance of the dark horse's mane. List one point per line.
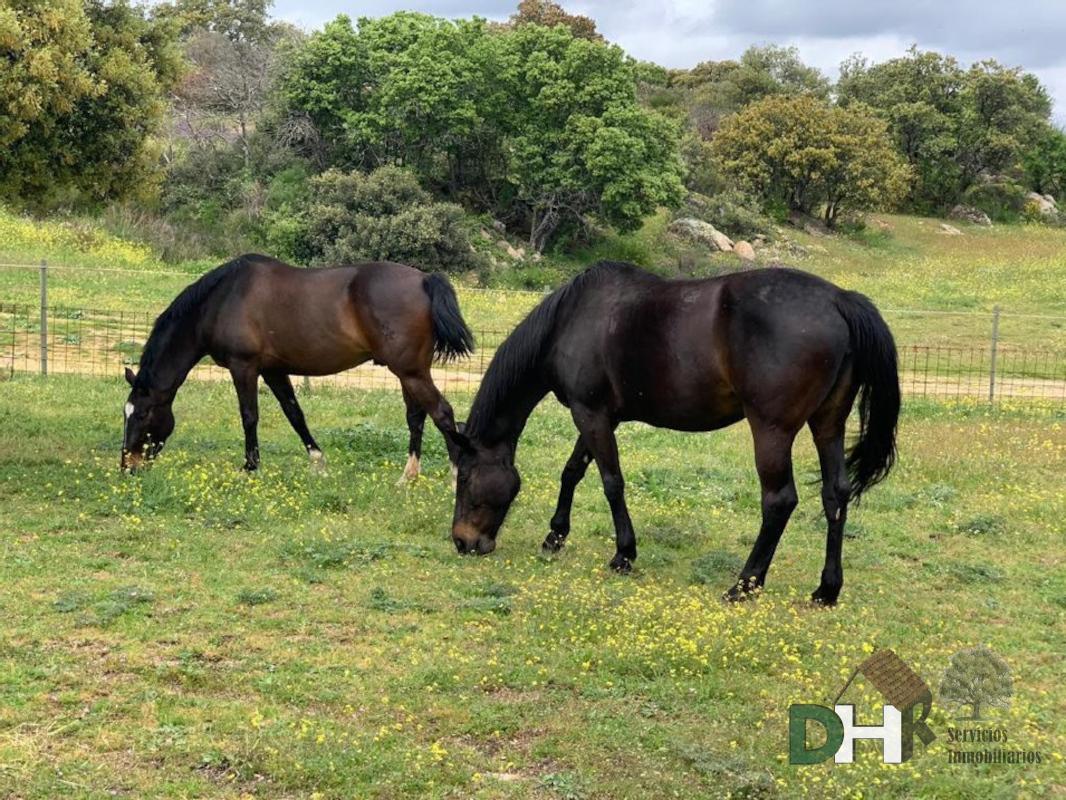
(521, 351)
(179, 312)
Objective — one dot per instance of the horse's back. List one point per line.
(318, 321)
(697, 354)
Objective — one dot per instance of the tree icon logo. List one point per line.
(977, 677)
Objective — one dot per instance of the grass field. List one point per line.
(195, 632)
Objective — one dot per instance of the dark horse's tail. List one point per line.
(874, 352)
(451, 336)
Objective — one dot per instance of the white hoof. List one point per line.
(410, 470)
(318, 461)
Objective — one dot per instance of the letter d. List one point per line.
(798, 715)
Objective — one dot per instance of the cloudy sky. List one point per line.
(681, 33)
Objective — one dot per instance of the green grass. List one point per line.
(196, 632)
(935, 289)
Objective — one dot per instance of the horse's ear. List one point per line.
(130, 376)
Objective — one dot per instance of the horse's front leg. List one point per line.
(573, 472)
(597, 431)
(246, 381)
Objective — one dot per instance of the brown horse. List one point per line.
(257, 316)
(779, 347)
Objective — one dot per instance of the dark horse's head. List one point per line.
(147, 422)
(486, 485)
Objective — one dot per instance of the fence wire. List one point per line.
(100, 342)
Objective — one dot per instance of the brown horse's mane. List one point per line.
(523, 349)
(180, 313)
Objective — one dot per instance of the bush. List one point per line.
(381, 216)
(1001, 198)
(730, 211)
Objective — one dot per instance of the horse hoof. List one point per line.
(621, 564)
(825, 596)
(318, 461)
(741, 591)
(553, 543)
(410, 470)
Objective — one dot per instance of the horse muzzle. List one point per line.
(469, 542)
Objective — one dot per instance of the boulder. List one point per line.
(744, 250)
(950, 230)
(812, 226)
(970, 214)
(1044, 203)
(700, 232)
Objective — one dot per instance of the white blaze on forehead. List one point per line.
(128, 410)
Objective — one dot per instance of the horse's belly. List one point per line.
(701, 405)
(316, 361)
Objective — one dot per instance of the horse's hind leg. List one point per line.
(281, 385)
(246, 382)
(416, 420)
(773, 461)
(573, 472)
(424, 394)
(829, 440)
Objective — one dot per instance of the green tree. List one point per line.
(952, 125)
(536, 125)
(977, 678)
(802, 154)
(579, 147)
(82, 97)
(1045, 164)
(408, 89)
(713, 90)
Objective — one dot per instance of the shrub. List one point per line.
(731, 211)
(383, 215)
(1001, 198)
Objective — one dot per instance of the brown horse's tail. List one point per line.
(875, 363)
(451, 336)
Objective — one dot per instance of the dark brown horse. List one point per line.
(779, 347)
(257, 316)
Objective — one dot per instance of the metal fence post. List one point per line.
(307, 385)
(992, 363)
(44, 317)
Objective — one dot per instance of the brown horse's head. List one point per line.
(147, 422)
(486, 485)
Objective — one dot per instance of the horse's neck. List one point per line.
(513, 409)
(180, 352)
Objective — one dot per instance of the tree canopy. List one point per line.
(802, 154)
(81, 100)
(536, 125)
(953, 125)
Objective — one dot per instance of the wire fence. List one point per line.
(48, 339)
(100, 342)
